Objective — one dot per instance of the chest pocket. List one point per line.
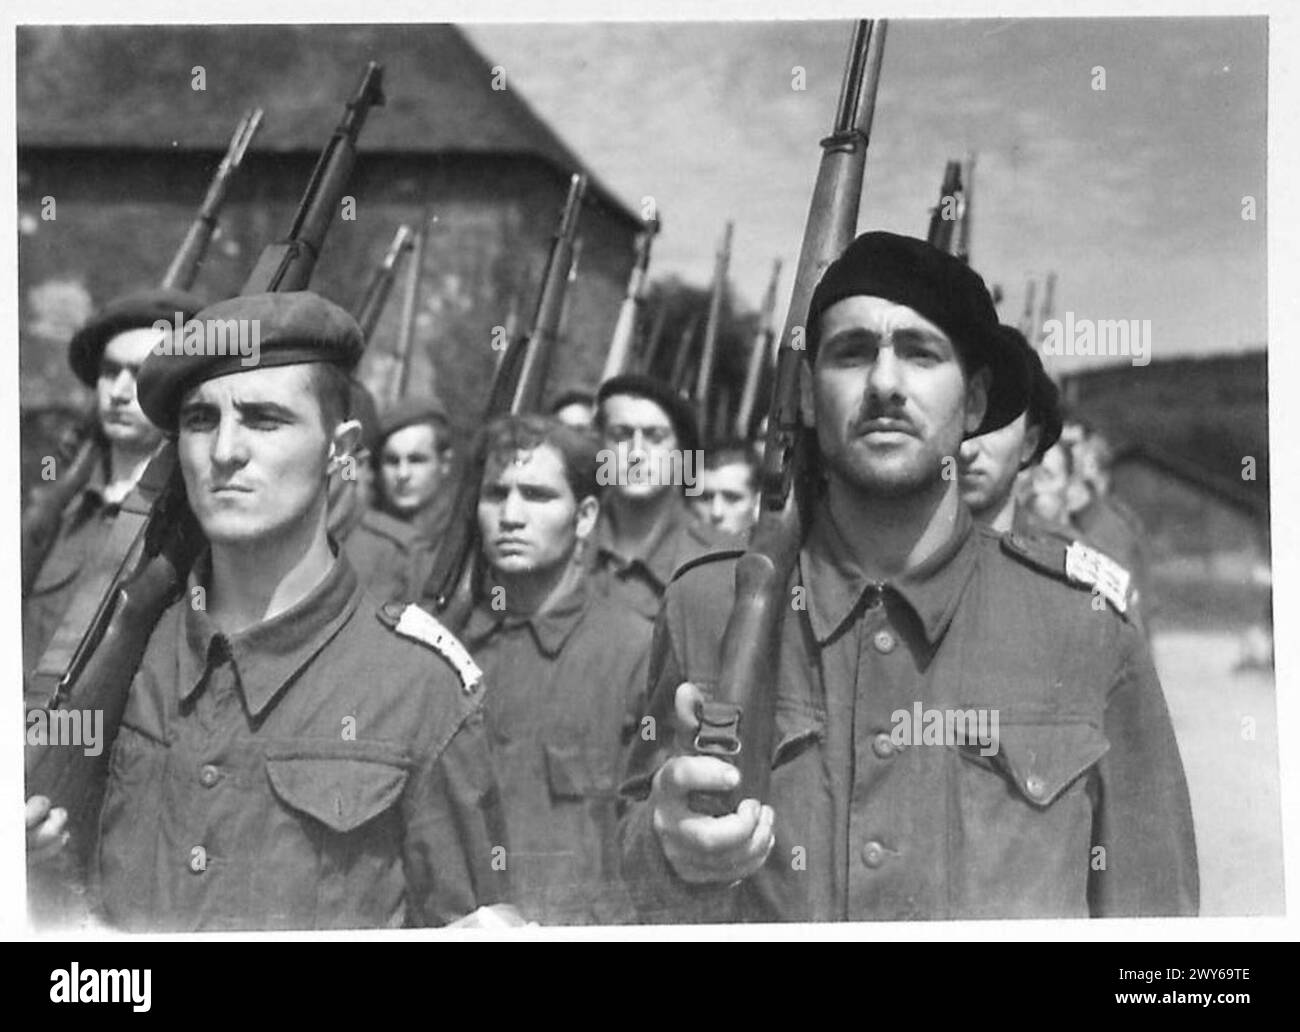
(343, 785)
(1041, 760)
(574, 771)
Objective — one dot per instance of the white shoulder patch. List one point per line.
(424, 627)
(1085, 565)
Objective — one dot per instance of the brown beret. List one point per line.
(251, 331)
(135, 311)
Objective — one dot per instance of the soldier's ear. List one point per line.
(345, 441)
(588, 513)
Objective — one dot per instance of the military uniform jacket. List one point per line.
(564, 689)
(386, 556)
(1081, 810)
(638, 581)
(87, 523)
(319, 770)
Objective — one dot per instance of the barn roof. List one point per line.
(130, 87)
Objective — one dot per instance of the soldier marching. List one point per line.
(392, 679)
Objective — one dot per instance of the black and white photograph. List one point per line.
(689, 469)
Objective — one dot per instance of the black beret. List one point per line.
(135, 311)
(679, 409)
(288, 328)
(409, 412)
(1043, 405)
(940, 287)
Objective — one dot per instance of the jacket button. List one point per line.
(873, 854)
(883, 746)
(1035, 786)
(884, 641)
(209, 776)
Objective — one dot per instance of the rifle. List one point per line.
(381, 282)
(157, 558)
(1027, 317)
(517, 385)
(650, 350)
(760, 352)
(80, 449)
(184, 268)
(941, 227)
(1047, 311)
(540, 344)
(410, 309)
(709, 354)
(620, 349)
(683, 358)
(737, 724)
(962, 250)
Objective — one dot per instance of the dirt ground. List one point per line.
(1226, 722)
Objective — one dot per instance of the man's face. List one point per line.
(648, 442)
(576, 414)
(727, 499)
(410, 468)
(124, 423)
(889, 397)
(254, 454)
(990, 463)
(527, 516)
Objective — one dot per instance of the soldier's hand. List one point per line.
(46, 836)
(700, 848)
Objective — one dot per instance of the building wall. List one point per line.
(121, 214)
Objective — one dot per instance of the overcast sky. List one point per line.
(1132, 194)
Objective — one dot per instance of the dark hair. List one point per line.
(578, 449)
(333, 390)
(728, 453)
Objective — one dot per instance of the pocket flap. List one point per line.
(341, 793)
(575, 772)
(1043, 759)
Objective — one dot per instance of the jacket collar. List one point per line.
(550, 629)
(658, 554)
(268, 656)
(836, 587)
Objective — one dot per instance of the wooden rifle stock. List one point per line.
(738, 723)
(962, 248)
(517, 387)
(157, 562)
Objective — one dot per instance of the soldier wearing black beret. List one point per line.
(967, 724)
(413, 466)
(292, 755)
(105, 354)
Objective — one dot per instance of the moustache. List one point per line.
(876, 419)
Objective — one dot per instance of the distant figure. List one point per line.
(576, 408)
(414, 463)
(383, 549)
(1103, 519)
(729, 488)
(646, 529)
